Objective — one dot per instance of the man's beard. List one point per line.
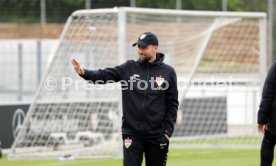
(145, 59)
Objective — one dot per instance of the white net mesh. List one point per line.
(216, 57)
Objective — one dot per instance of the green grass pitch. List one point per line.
(177, 157)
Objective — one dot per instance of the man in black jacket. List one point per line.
(150, 102)
(0, 150)
(267, 117)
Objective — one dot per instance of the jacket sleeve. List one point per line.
(268, 95)
(171, 105)
(102, 76)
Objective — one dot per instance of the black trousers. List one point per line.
(267, 148)
(155, 150)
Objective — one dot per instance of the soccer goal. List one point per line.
(219, 58)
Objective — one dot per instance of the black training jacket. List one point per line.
(148, 112)
(267, 110)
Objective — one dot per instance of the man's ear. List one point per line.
(155, 48)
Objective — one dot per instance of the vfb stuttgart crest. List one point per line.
(159, 81)
(127, 142)
(142, 36)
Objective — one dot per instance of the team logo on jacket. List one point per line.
(135, 77)
(127, 142)
(159, 80)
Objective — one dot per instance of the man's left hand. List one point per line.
(168, 138)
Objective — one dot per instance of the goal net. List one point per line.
(219, 58)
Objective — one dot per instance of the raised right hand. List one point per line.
(77, 67)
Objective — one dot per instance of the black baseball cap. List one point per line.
(146, 39)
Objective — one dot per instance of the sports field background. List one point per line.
(22, 23)
(177, 157)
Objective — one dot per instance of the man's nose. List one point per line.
(140, 50)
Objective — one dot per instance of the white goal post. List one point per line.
(219, 58)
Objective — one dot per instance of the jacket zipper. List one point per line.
(142, 129)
